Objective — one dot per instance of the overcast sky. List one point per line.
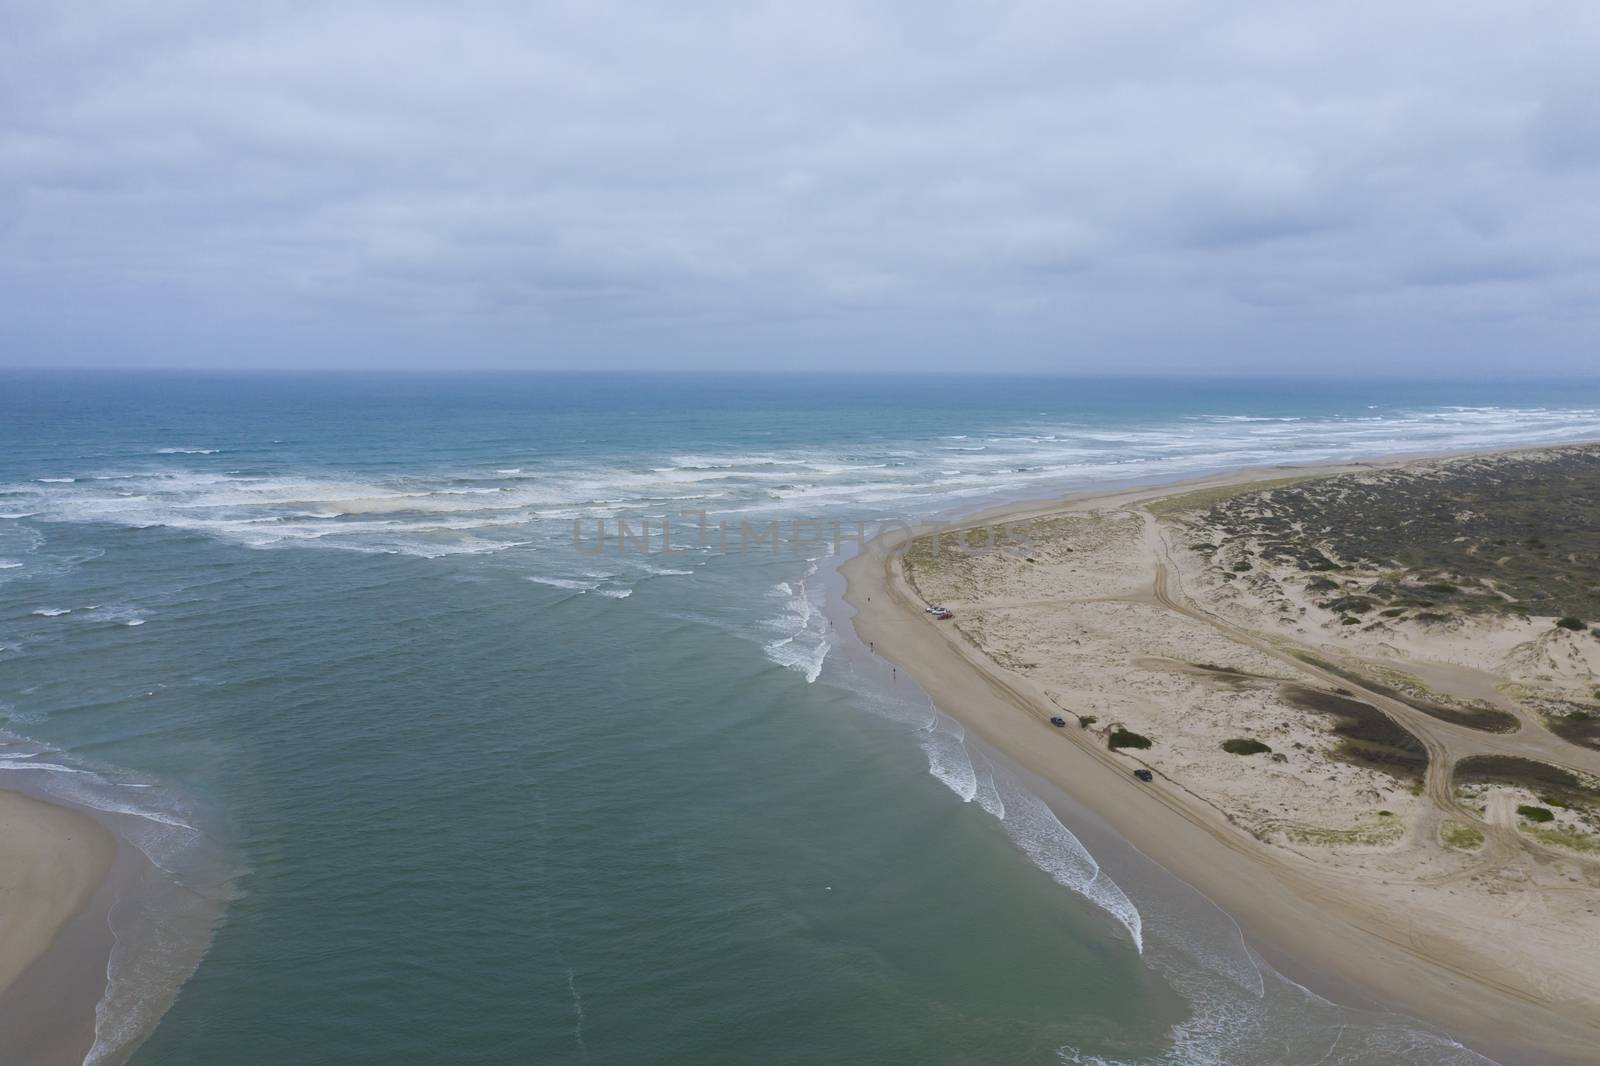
(1065, 186)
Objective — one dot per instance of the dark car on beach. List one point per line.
(1057, 721)
(1144, 775)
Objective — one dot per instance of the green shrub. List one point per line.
(1086, 720)
(1575, 841)
(1350, 604)
(1123, 738)
(1244, 746)
(1536, 814)
(1572, 623)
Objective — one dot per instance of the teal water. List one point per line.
(453, 788)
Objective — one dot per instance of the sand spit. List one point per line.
(54, 863)
(1172, 627)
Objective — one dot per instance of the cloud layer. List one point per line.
(1096, 185)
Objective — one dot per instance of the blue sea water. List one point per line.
(425, 771)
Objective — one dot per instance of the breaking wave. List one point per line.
(805, 633)
(487, 508)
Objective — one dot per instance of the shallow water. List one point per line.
(466, 790)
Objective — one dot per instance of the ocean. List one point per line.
(429, 757)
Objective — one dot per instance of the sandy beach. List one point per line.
(1379, 878)
(54, 862)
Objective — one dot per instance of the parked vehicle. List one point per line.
(1144, 775)
(1057, 721)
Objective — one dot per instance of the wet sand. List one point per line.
(55, 891)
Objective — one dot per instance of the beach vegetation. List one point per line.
(1474, 714)
(1374, 835)
(1244, 746)
(1086, 720)
(1430, 535)
(1563, 839)
(1462, 837)
(1550, 783)
(1536, 814)
(1203, 499)
(1349, 605)
(1367, 736)
(1126, 738)
(1576, 723)
(1574, 624)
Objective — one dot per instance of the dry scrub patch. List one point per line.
(1490, 563)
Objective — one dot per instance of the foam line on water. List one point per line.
(1056, 850)
(571, 584)
(433, 513)
(947, 756)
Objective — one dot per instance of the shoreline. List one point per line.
(1308, 923)
(58, 874)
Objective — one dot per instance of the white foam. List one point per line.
(664, 571)
(988, 793)
(564, 583)
(615, 594)
(1028, 821)
(5, 764)
(52, 612)
(186, 451)
(437, 513)
(947, 756)
(806, 641)
(1035, 829)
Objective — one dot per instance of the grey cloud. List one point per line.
(653, 184)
